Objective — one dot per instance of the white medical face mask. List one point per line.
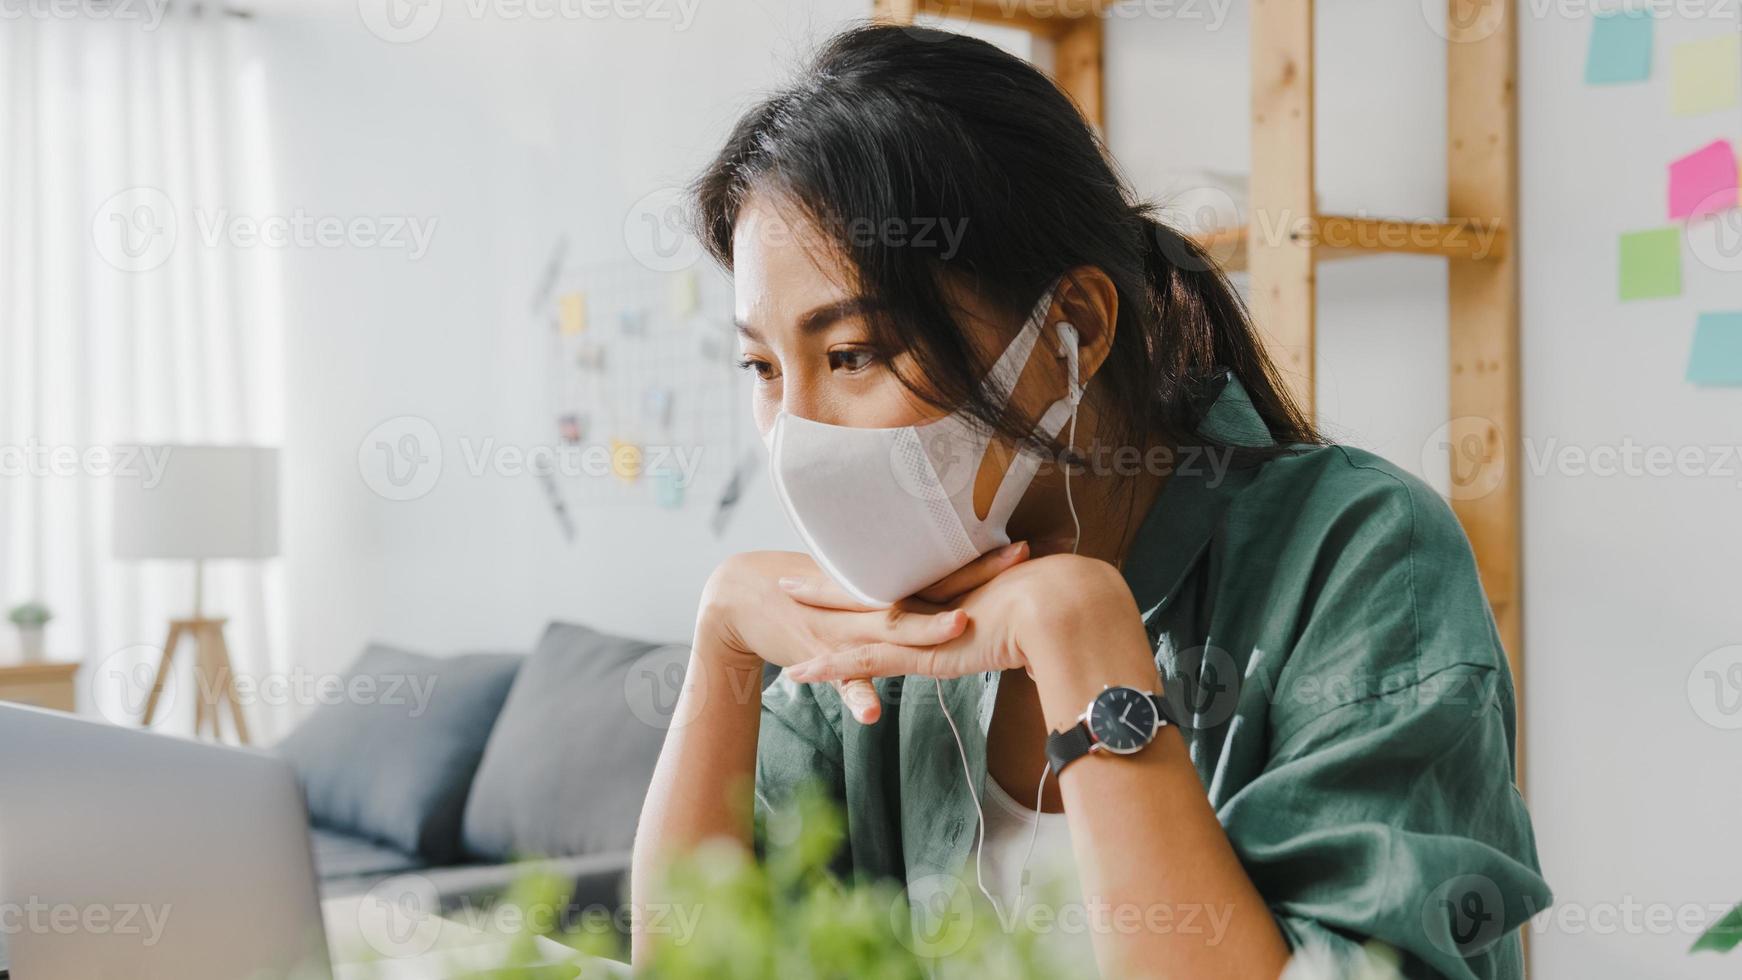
(887, 512)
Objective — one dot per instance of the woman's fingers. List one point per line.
(975, 573)
(821, 591)
(878, 660)
(861, 699)
(904, 625)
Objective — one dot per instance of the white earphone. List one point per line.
(1068, 351)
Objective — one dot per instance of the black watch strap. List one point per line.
(1066, 747)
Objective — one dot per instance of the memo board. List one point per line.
(642, 389)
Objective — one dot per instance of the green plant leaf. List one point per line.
(1724, 934)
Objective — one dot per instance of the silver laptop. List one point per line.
(131, 854)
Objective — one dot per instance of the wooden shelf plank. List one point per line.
(1334, 237)
(1045, 18)
(1226, 245)
(1475, 240)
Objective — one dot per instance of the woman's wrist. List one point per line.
(717, 632)
(717, 641)
(1081, 633)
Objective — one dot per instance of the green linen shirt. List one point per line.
(1322, 635)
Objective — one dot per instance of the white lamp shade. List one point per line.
(208, 502)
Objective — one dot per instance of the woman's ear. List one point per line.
(1088, 300)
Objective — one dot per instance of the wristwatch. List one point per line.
(1121, 720)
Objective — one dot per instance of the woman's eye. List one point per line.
(851, 360)
(763, 370)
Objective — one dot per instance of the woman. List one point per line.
(1249, 678)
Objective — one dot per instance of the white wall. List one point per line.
(513, 133)
(1630, 580)
(509, 135)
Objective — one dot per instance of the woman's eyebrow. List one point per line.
(819, 318)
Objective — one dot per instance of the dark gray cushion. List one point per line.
(392, 760)
(571, 756)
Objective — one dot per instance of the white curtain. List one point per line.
(134, 144)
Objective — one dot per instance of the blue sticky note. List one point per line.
(1717, 355)
(668, 489)
(1620, 48)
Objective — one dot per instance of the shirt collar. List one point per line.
(1188, 512)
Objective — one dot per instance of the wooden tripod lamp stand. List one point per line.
(206, 503)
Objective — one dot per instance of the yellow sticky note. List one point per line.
(1706, 76)
(572, 313)
(625, 460)
(683, 293)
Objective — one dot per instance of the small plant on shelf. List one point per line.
(30, 618)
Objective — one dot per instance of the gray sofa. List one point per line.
(459, 769)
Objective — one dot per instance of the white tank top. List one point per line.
(1052, 879)
(1008, 827)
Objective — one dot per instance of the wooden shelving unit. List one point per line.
(1285, 238)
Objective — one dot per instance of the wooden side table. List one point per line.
(42, 683)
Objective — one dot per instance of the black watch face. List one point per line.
(1122, 719)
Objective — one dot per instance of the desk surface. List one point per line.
(452, 947)
(375, 939)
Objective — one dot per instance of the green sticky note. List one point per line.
(1620, 48)
(1717, 353)
(1706, 76)
(1651, 263)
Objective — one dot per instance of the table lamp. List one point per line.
(208, 503)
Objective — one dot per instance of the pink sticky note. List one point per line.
(1703, 182)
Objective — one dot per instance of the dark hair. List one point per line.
(903, 125)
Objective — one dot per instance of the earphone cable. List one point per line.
(961, 750)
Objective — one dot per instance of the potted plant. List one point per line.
(30, 618)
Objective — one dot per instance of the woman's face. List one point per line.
(803, 334)
(802, 330)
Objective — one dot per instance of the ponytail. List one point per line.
(1204, 329)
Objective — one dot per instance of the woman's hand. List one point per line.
(780, 607)
(1039, 607)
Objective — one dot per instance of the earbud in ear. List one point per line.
(1067, 338)
(1068, 351)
